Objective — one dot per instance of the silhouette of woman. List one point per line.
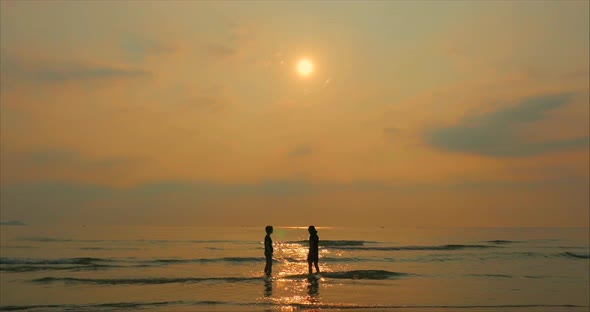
(268, 250)
(313, 255)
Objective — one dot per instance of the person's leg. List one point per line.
(317, 267)
(265, 265)
(268, 266)
(309, 262)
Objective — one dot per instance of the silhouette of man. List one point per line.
(313, 255)
(268, 250)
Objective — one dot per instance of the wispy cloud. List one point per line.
(137, 49)
(220, 51)
(300, 151)
(391, 130)
(47, 71)
(29, 195)
(494, 134)
(207, 99)
(57, 158)
(232, 44)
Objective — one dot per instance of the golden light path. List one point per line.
(293, 287)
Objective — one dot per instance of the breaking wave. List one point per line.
(440, 247)
(575, 255)
(143, 281)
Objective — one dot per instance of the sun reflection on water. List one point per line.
(291, 287)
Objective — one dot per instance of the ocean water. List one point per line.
(363, 269)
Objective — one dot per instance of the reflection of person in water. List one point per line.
(313, 288)
(313, 255)
(268, 250)
(267, 287)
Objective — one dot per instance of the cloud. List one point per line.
(48, 200)
(300, 151)
(137, 49)
(284, 201)
(46, 71)
(73, 72)
(391, 130)
(208, 103)
(207, 99)
(53, 201)
(50, 191)
(220, 51)
(234, 43)
(70, 196)
(50, 157)
(58, 159)
(494, 134)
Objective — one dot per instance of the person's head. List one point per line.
(268, 229)
(311, 229)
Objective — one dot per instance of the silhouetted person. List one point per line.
(313, 255)
(268, 250)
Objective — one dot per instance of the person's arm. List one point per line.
(268, 244)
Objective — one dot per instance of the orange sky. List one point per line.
(193, 112)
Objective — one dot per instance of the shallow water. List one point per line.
(220, 269)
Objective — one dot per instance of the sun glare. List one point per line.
(304, 67)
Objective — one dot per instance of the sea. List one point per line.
(139, 268)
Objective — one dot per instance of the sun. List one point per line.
(304, 67)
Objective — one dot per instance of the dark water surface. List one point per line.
(220, 269)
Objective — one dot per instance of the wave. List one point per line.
(18, 247)
(323, 306)
(109, 248)
(492, 275)
(360, 307)
(506, 276)
(332, 259)
(501, 241)
(364, 274)
(144, 241)
(356, 307)
(46, 239)
(35, 268)
(73, 264)
(440, 247)
(81, 261)
(350, 259)
(334, 243)
(93, 263)
(85, 264)
(143, 281)
(206, 260)
(210, 241)
(355, 274)
(100, 306)
(261, 259)
(575, 255)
